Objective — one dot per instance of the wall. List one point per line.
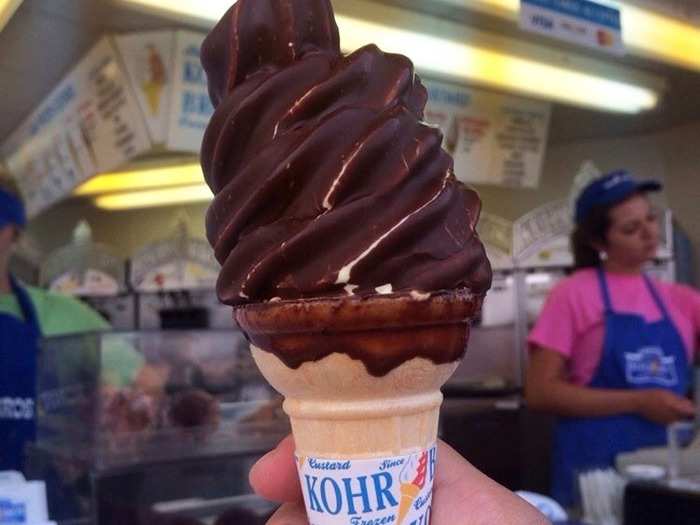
(672, 156)
(681, 149)
(125, 231)
(640, 154)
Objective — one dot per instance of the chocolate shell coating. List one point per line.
(383, 331)
(327, 183)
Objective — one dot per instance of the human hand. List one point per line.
(662, 406)
(461, 494)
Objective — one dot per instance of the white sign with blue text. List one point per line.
(495, 139)
(191, 107)
(89, 123)
(582, 22)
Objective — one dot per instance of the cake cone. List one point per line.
(361, 377)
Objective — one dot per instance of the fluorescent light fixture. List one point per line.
(645, 32)
(156, 177)
(7, 9)
(491, 63)
(153, 198)
(472, 56)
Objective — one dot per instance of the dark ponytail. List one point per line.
(591, 231)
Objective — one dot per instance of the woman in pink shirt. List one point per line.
(611, 350)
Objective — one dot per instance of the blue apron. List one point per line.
(18, 357)
(636, 355)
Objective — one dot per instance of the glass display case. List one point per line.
(152, 427)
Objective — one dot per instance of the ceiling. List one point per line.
(46, 38)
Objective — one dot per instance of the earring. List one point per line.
(603, 255)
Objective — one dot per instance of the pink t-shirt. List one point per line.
(572, 320)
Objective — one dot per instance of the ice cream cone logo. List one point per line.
(155, 79)
(412, 479)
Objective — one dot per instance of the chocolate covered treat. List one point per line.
(348, 247)
(194, 408)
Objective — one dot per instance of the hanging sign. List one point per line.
(581, 22)
(494, 139)
(89, 123)
(149, 63)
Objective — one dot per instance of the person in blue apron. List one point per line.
(610, 352)
(18, 347)
(27, 314)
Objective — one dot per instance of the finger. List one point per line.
(289, 514)
(274, 476)
(685, 407)
(460, 490)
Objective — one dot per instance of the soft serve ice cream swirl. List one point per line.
(327, 182)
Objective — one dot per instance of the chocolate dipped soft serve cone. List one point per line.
(348, 248)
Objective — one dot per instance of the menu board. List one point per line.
(494, 139)
(148, 60)
(89, 123)
(191, 107)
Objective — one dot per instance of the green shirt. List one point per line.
(57, 314)
(63, 315)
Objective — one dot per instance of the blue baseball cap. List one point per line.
(610, 189)
(11, 210)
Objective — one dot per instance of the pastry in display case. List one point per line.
(152, 427)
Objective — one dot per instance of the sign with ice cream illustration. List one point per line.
(148, 60)
(395, 490)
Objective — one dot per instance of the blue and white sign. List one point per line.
(22, 502)
(191, 108)
(581, 22)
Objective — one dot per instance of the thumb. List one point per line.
(289, 514)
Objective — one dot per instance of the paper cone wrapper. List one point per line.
(361, 380)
